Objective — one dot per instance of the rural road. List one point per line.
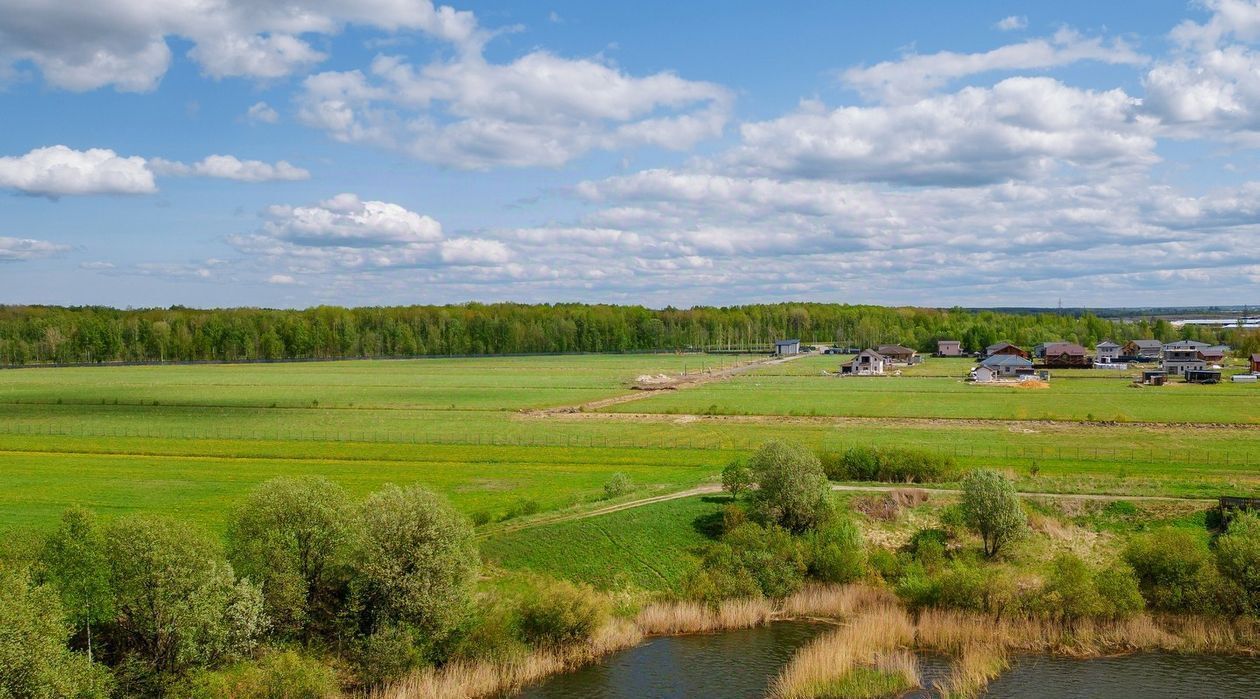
(714, 488)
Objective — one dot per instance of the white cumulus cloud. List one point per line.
(262, 113)
(57, 171)
(21, 249)
(230, 167)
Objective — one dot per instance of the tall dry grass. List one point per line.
(972, 671)
(677, 618)
(481, 679)
(826, 660)
(835, 601)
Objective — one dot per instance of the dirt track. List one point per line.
(713, 489)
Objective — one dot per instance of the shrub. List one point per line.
(177, 603)
(34, 660)
(836, 553)
(560, 616)
(737, 479)
(884, 563)
(390, 652)
(1074, 591)
(73, 562)
(1118, 590)
(292, 535)
(992, 509)
(619, 484)
(1238, 556)
(751, 560)
(928, 546)
(793, 490)
(889, 464)
(416, 561)
(1174, 571)
(283, 675)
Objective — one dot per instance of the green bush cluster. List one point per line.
(888, 464)
(1178, 571)
(155, 607)
(561, 615)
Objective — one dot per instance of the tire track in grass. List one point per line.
(630, 551)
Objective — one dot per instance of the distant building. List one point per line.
(1008, 365)
(1255, 363)
(868, 362)
(983, 374)
(1064, 355)
(1143, 350)
(1214, 354)
(1004, 348)
(1153, 377)
(787, 347)
(897, 353)
(1178, 359)
(948, 348)
(1106, 352)
(1202, 375)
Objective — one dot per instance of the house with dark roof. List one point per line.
(1142, 350)
(1062, 355)
(1008, 365)
(1004, 348)
(897, 353)
(1255, 363)
(1214, 354)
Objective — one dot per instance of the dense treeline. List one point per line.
(49, 334)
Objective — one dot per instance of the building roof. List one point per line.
(1057, 348)
(1255, 357)
(781, 343)
(1148, 344)
(1107, 344)
(1215, 349)
(998, 346)
(949, 342)
(894, 349)
(1000, 360)
(1187, 344)
(869, 353)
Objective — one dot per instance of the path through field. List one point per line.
(714, 488)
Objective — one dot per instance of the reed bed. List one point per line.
(835, 601)
(972, 671)
(826, 661)
(678, 618)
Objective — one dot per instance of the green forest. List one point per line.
(52, 334)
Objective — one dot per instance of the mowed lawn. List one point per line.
(651, 547)
(937, 390)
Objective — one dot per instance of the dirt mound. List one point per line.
(1033, 383)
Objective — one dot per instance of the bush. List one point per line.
(1118, 590)
(388, 654)
(178, 604)
(992, 509)
(793, 490)
(617, 486)
(885, 564)
(1238, 556)
(562, 615)
(837, 553)
(737, 479)
(928, 547)
(292, 535)
(283, 675)
(889, 464)
(34, 660)
(1174, 571)
(1074, 591)
(416, 561)
(750, 561)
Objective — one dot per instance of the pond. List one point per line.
(741, 664)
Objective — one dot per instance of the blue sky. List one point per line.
(158, 152)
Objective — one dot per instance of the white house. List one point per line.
(1106, 352)
(982, 374)
(1008, 365)
(867, 363)
(1180, 358)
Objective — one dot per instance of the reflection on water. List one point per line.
(729, 665)
(1144, 676)
(741, 665)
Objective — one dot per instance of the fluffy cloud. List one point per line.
(539, 109)
(347, 233)
(123, 43)
(915, 75)
(1019, 128)
(20, 249)
(262, 113)
(229, 167)
(57, 171)
(1012, 23)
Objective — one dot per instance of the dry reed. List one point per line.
(828, 659)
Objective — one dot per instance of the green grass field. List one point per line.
(192, 440)
(651, 547)
(936, 389)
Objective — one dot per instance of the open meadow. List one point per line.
(504, 438)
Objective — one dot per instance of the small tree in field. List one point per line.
(991, 508)
(737, 479)
(792, 487)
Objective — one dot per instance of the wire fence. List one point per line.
(968, 452)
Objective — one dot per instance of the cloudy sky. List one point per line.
(292, 153)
